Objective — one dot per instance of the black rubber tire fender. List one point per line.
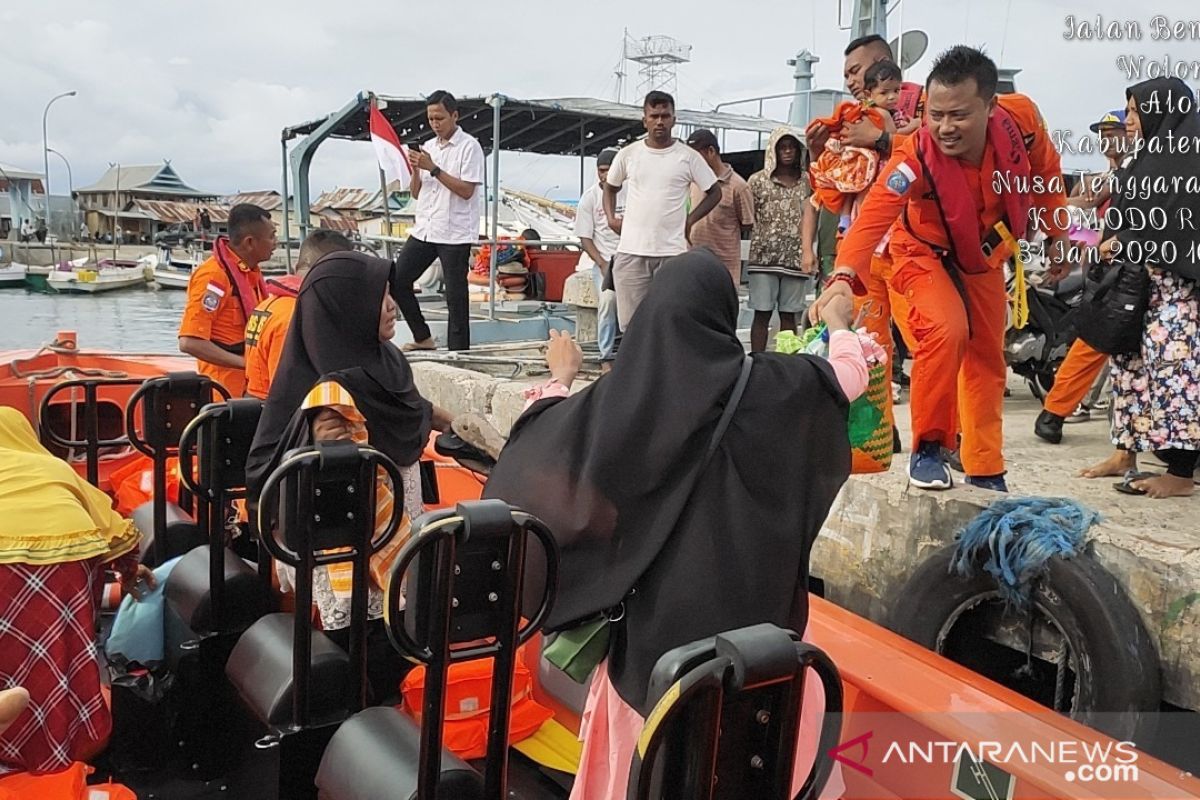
(1118, 673)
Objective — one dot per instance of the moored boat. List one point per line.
(106, 276)
(172, 277)
(12, 276)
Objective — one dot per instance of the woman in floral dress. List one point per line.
(1156, 405)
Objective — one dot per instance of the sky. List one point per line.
(210, 85)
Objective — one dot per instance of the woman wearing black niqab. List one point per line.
(1156, 392)
(341, 335)
(335, 333)
(611, 470)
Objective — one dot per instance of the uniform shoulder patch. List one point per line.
(212, 296)
(901, 179)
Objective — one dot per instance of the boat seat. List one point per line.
(189, 593)
(181, 531)
(260, 668)
(375, 754)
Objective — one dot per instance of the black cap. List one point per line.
(606, 156)
(702, 138)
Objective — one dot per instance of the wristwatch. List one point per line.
(884, 143)
(433, 173)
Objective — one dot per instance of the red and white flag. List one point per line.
(392, 156)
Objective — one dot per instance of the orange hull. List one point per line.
(26, 376)
(897, 691)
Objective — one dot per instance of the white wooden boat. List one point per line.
(12, 276)
(106, 276)
(172, 277)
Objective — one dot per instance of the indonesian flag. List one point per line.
(392, 157)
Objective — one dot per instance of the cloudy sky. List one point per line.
(210, 85)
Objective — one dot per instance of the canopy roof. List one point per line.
(554, 126)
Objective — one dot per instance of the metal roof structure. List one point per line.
(569, 126)
(171, 211)
(144, 179)
(267, 199)
(346, 199)
(18, 174)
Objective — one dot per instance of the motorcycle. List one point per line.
(1036, 350)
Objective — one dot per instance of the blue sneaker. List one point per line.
(994, 483)
(927, 469)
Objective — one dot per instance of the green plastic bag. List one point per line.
(579, 650)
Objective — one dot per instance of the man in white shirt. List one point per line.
(447, 172)
(659, 171)
(600, 242)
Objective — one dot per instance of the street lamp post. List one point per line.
(46, 150)
(70, 189)
(116, 208)
(546, 194)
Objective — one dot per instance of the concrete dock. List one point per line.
(879, 529)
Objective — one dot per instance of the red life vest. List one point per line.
(250, 291)
(953, 196)
(284, 285)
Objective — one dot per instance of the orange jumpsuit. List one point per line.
(959, 371)
(265, 334)
(213, 312)
(1075, 378)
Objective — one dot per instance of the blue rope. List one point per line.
(1014, 538)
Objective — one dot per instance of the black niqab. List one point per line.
(611, 470)
(1171, 133)
(335, 334)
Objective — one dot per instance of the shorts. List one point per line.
(770, 291)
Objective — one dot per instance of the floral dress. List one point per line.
(1156, 393)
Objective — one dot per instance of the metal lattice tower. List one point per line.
(657, 57)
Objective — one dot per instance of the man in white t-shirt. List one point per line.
(600, 242)
(447, 172)
(659, 171)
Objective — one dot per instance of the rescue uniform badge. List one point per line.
(901, 179)
(212, 297)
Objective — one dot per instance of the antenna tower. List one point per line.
(657, 58)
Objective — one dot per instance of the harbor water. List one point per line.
(133, 320)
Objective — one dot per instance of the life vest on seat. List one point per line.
(68, 784)
(468, 705)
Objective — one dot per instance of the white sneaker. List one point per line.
(897, 393)
(1082, 414)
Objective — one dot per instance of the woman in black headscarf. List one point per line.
(616, 473)
(1156, 392)
(336, 329)
(340, 341)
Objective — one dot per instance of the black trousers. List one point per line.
(415, 257)
(1180, 463)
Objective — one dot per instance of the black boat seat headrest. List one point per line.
(374, 754)
(182, 533)
(247, 597)
(260, 668)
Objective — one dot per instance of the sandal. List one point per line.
(1131, 477)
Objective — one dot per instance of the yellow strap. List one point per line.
(1020, 296)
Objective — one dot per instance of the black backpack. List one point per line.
(1112, 316)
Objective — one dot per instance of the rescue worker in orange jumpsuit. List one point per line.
(268, 325)
(222, 294)
(955, 198)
